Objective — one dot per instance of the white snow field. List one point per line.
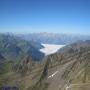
(50, 48)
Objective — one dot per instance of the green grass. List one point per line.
(79, 85)
(5, 68)
(43, 86)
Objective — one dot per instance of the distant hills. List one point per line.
(54, 38)
(15, 48)
(76, 47)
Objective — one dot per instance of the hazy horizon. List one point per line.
(28, 33)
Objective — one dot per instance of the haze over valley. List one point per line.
(50, 48)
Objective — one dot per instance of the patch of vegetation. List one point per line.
(43, 86)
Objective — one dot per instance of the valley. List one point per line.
(30, 65)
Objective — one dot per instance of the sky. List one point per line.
(59, 16)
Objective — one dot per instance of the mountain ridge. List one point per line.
(54, 38)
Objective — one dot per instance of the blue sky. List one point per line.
(59, 16)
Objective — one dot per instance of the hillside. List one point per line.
(14, 48)
(1, 58)
(72, 67)
(14, 52)
(67, 68)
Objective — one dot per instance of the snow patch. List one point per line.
(53, 74)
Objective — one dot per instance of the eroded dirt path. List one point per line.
(56, 81)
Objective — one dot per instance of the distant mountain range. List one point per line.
(15, 48)
(54, 38)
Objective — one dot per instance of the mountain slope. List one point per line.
(67, 68)
(71, 62)
(1, 58)
(14, 48)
